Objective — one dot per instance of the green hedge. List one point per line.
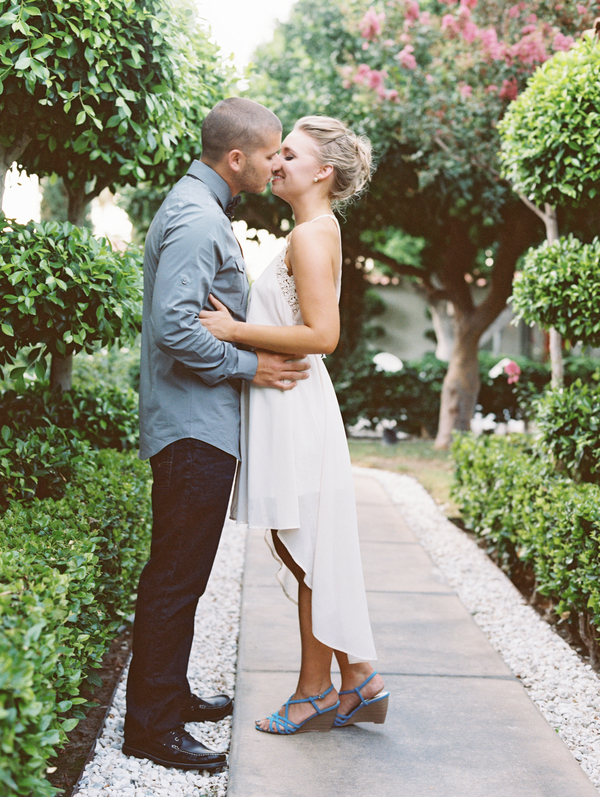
(411, 397)
(105, 417)
(569, 422)
(68, 571)
(510, 496)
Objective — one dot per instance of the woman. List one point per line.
(295, 478)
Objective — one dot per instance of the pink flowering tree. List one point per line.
(427, 82)
(437, 77)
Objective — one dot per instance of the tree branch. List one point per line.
(543, 216)
(407, 270)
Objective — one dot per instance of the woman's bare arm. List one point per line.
(314, 256)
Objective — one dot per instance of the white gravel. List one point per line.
(565, 689)
(560, 683)
(211, 670)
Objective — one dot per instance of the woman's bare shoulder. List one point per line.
(320, 232)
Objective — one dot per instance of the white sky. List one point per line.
(239, 26)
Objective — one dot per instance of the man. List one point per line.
(190, 421)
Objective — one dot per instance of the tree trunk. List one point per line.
(556, 357)
(460, 388)
(461, 383)
(78, 202)
(443, 326)
(61, 372)
(8, 155)
(61, 368)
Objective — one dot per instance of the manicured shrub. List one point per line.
(63, 291)
(510, 497)
(104, 417)
(37, 463)
(569, 422)
(68, 571)
(558, 287)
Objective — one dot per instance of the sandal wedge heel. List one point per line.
(372, 710)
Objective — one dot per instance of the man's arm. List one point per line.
(189, 260)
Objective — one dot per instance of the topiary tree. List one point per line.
(549, 149)
(559, 287)
(63, 291)
(102, 93)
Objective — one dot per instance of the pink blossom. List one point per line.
(429, 78)
(406, 57)
(581, 9)
(425, 18)
(468, 3)
(530, 49)
(376, 78)
(450, 24)
(491, 89)
(362, 74)
(365, 45)
(528, 29)
(470, 32)
(512, 370)
(514, 11)
(371, 24)
(465, 90)
(392, 95)
(412, 10)
(389, 42)
(491, 46)
(381, 92)
(532, 18)
(561, 42)
(509, 89)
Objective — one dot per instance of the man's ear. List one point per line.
(236, 160)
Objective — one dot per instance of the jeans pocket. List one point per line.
(162, 466)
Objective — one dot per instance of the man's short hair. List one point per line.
(236, 123)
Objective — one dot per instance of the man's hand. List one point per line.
(282, 371)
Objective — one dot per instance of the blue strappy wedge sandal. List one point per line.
(372, 710)
(321, 721)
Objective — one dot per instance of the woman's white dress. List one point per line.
(295, 476)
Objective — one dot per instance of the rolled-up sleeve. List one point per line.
(188, 264)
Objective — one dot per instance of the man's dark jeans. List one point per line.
(190, 493)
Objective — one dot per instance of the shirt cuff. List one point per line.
(247, 364)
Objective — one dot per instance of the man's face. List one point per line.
(256, 172)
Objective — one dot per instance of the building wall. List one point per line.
(406, 321)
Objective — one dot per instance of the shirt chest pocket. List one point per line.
(232, 283)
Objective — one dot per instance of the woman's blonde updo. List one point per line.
(349, 154)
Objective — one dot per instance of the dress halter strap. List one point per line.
(326, 216)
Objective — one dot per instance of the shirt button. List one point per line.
(185, 280)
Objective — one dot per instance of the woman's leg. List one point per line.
(315, 665)
(353, 675)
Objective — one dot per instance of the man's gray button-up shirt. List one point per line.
(189, 380)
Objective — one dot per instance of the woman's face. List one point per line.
(296, 166)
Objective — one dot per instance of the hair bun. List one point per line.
(349, 154)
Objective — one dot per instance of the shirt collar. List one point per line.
(214, 181)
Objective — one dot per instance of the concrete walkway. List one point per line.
(459, 723)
